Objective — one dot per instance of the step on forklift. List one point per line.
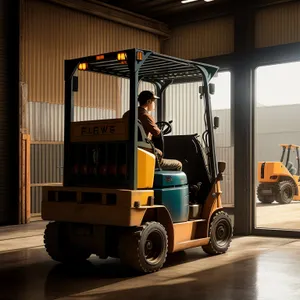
(280, 180)
(115, 200)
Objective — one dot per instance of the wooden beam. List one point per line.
(105, 11)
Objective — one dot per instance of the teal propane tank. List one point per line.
(171, 190)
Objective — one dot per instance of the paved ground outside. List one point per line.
(278, 216)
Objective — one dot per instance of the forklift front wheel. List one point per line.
(220, 233)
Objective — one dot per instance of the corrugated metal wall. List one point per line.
(49, 35)
(279, 24)
(184, 107)
(208, 38)
(47, 162)
(227, 185)
(46, 121)
(52, 33)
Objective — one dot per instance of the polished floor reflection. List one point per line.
(255, 268)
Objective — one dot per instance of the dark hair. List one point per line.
(144, 96)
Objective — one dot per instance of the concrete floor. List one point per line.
(255, 268)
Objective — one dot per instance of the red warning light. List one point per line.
(76, 169)
(112, 170)
(123, 170)
(103, 170)
(84, 169)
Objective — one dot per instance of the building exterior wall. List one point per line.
(278, 24)
(208, 38)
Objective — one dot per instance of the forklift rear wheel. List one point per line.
(286, 192)
(220, 233)
(266, 199)
(145, 249)
(58, 248)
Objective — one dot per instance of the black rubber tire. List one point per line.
(262, 198)
(285, 192)
(219, 221)
(58, 248)
(132, 247)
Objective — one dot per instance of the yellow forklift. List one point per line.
(279, 180)
(116, 201)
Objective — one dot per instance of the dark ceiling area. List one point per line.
(173, 12)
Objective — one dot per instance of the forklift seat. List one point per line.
(142, 137)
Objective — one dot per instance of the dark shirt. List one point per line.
(147, 121)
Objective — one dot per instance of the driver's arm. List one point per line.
(150, 125)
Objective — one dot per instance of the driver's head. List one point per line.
(147, 100)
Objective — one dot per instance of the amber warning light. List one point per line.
(122, 56)
(83, 66)
(100, 57)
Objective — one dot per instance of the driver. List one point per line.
(147, 104)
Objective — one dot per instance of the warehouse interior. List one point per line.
(255, 44)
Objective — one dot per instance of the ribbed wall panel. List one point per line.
(46, 121)
(184, 107)
(36, 199)
(227, 185)
(279, 24)
(223, 133)
(204, 39)
(46, 163)
(51, 33)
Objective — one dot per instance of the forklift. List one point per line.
(280, 180)
(115, 200)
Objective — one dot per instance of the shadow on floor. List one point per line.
(64, 280)
(231, 281)
(261, 277)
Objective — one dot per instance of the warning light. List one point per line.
(76, 169)
(100, 57)
(139, 55)
(103, 170)
(112, 170)
(83, 66)
(84, 169)
(122, 56)
(122, 170)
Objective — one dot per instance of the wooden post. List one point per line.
(25, 201)
(24, 182)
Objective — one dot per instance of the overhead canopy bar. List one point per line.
(156, 67)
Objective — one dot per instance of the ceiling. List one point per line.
(172, 12)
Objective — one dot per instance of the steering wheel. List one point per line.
(165, 127)
(158, 141)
